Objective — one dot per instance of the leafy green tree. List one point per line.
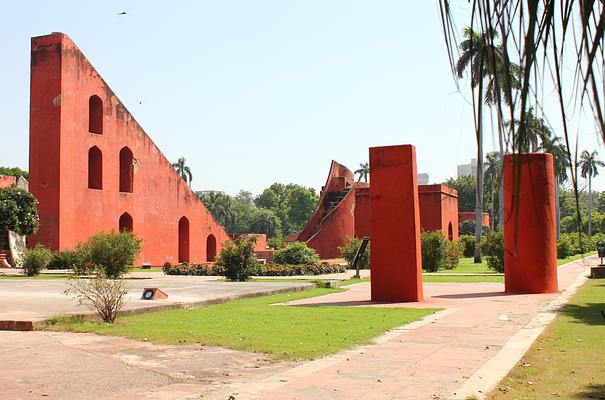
(535, 132)
(265, 221)
(300, 203)
(183, 170)
(553, 145)
(465, 186)
(221, 207)
(18, 211)
(14, 171)
(492, 180)
(589, 164)
(363, 172)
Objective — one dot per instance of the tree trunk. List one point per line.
(479, 198)
(589, 205)
(557, 208)
(500, 175)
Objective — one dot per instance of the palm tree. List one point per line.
(363, 172)
(486, 60)
(183, 170)
(554, 146)
(588, 168)
(536, 132)
(492, 177)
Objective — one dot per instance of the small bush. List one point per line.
(433, 244)
(467, 244)
(193, 270)
(100, 294)
(349, 250)
(564, 247)
(237, 261)
(296, 253)
(291, 270)
(492, 246)
(451, 255)
(77, 260)
(467, 227)
(35, 260)
(113, 252)
(275, 242)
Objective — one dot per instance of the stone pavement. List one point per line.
(39, 299)
(428, 359)
(432, 359)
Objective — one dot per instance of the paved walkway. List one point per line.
(429, 359)
(39, 299)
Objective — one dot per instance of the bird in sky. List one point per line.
(122, 13)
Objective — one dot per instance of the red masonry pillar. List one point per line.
(395, 256)
(530, 255)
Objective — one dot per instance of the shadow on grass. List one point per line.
(591, 391)
(589, 314)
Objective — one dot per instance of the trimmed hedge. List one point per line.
(263, 270)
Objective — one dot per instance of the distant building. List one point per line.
(468, 169)
(201, 193)
(423, 179)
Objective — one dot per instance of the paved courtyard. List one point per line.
(462, 350)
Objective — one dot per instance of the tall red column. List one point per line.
(395, 256)
(530, 241)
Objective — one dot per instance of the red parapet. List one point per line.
(395, 257)
(530, 242)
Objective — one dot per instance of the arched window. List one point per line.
(126, 170)
(95, 115)
(450, 231)
(210, 248)
(183, 240)
(125, 224)
(95, 168)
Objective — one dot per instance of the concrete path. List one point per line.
(428, 359)
(431, 361)
(39, 299)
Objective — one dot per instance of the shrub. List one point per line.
(432, 244)
(467, 244)
(565, 247)
(77, 260)
(18, 211)
(100, 294)
(451, 255)
(492, 246)
(193, 270)
(113, 252)
(349, 250)
(237, 261)
(299, 269)
(275, 242)
(467, 227)
(296, 253)
(35, 260)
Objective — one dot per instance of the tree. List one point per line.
(18, 211)
(265, 221)
(221, 207)
(589, 164)
(466, 188)
(492, 179)
(536, 132)
(14, 171)
(363, 172)
(486, 60)
(553, 145)
(183, 170)
(300, 203)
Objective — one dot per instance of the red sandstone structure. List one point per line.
(93, 168)
(343, 211)
(395, 226)
(470, 215)
(530, 241)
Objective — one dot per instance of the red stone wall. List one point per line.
(6, 181)
(439, 210)
(465, 215)
(62, 84)
(530, 239)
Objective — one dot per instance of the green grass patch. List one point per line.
(35, 277)
(254, 324)
(566, 361)
(468, 266)
(569, 259)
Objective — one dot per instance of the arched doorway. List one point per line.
(450, 231)
(125, 224)
(95, 115)
(210, 248)
(183, 240)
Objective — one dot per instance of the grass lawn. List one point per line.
(567, 360)
(35, 277)
(255, 325)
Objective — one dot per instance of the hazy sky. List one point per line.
(254, 92)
